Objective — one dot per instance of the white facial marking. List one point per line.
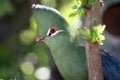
(57, 32)
(48, 33)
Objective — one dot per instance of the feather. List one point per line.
(111, 65)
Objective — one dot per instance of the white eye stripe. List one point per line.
(60, 31)
(48, 33)
(57, 32)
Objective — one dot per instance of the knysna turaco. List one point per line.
(68, 55)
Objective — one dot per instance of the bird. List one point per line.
(68, 54)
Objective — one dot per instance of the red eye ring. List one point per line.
(53, 30)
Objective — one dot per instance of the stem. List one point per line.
(92, 49)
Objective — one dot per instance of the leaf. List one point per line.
(6, 7)
(79, 12)
(92, 2)
(86, 33)
(93, 33)
(78, 1)
(83, 2)
(77, 6)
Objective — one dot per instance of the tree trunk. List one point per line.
(92, 49)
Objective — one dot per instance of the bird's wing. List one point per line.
(111, 66)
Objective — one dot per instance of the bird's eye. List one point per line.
(53, 31)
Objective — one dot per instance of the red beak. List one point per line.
(39, 38)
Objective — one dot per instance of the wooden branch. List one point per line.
(93, 61)
(92, 49)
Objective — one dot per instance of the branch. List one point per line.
(92, 49)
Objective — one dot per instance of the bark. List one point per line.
(92, 49)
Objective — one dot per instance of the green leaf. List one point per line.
(92, 2)
(93, 33)
(86, 33)
(77, 6)
(78, 1)
(79, 11)
(83, 2)
(6, 7)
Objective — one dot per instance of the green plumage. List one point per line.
(68, 55)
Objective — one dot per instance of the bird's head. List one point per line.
(51, 32)
(50, 23)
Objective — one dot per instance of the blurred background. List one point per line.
(23, 59)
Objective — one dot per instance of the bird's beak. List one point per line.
(39, 38)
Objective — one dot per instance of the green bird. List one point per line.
(68, 55)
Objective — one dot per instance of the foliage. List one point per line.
(6, 7)
(93, 33)
(79, 7)
(84, 2)
(78, 10)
